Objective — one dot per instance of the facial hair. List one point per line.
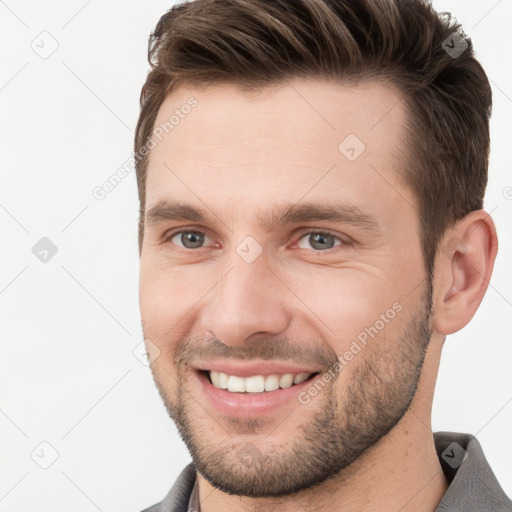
(343, 424)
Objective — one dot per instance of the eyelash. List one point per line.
(301, 235)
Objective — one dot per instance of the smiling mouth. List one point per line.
(255, 383)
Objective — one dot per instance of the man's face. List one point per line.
(269, 282)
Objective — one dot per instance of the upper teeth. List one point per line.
(256, 383)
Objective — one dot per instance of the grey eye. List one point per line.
(318, 241)
(189, 239)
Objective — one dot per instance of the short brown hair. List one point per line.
(253, 43)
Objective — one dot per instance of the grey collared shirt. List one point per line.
(473, 486)
(193, 503)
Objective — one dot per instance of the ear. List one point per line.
(464, 263)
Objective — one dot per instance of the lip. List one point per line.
(265, 368)
(250, 405)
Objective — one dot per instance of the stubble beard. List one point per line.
(342, 425)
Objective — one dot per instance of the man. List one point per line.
(311, 177)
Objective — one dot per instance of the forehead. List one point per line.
(303, 137)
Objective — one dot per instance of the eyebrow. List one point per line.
(278, 215)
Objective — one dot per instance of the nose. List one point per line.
(249, 299)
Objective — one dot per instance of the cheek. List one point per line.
(166, 299)
(168, 295)
(344, 304)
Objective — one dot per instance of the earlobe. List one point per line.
(463, 271)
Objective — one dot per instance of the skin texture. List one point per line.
(364, 441)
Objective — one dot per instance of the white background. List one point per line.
(68, 375)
